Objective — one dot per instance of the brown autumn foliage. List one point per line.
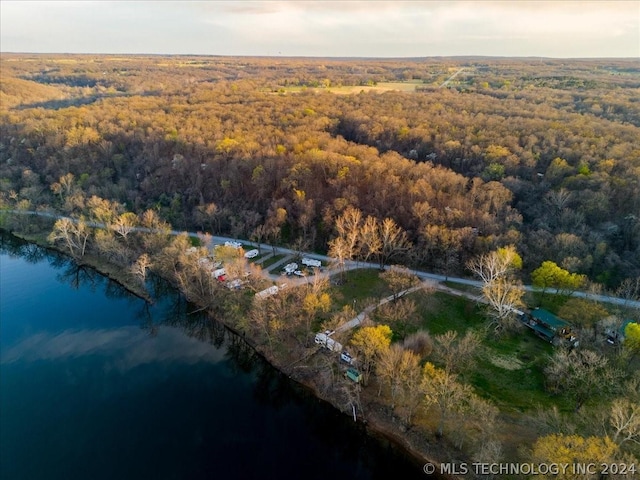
(541, 154)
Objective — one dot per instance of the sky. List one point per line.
(340, 28)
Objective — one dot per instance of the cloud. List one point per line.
(125, 348)
(325, 28)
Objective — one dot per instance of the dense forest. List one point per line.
(538, 153)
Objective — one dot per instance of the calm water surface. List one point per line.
(96, 384)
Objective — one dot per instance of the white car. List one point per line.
(251, 253)
(233, 244)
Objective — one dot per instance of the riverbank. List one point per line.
(377, 418)
(113, 272)
(378, 423)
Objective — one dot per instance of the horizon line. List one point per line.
(335, 57)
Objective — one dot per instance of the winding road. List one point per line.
(349, 265)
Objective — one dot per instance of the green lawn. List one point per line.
(508, 370)
(270, 261)
(359, 285)
(441, 312)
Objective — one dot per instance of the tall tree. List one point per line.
(442, 390)
(393, 240)
(370, 343)
(393, 368)
(581, 374)
(624, 421)
(72, 234)
(632, 339)
(574, 450)
(456, 353)
(501, 290)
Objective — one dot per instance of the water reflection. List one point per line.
(244, 357)
(78, 275)
(126, 347)
(147, 396)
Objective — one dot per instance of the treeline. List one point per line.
(220, 144)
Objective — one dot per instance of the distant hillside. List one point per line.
(16, 92)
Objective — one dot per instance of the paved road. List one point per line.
(350, 265)
(446, 82)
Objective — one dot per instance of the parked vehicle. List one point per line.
(327, 342)
(290, 268)
(221, 272)
(251, 253)
(310, 262)
(267, 292)
(347, 358)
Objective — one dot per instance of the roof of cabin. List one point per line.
(548, 318)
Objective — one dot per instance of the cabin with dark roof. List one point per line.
(550, 327)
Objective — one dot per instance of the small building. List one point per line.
(550, 327)
(353, 374)
(616, 336)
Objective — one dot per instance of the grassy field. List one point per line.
(270, 261)
(349, 89)
(441, 312)
(507, 370)
(359, 285)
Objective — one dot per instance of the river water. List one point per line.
(97, 384)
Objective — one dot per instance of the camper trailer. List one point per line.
(327, 342)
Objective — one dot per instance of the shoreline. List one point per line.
(375, 426)
(103, 267)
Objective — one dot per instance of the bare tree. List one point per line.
(496, 264)
(629, 289)
(141, 265)
(443, 391)
(394, 241)
(581, 374)
(624, 421)
(348, 228)
(124, 224)
(501, 291)
(454, 352)
(399, 279)
(370, 241)
(393, 367)
(339, 249)
(72, 234)
(400, 315)
(420, 343)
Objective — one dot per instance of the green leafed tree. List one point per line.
(632, 339)
(370, 343)
(574, 450)
(550, 275)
